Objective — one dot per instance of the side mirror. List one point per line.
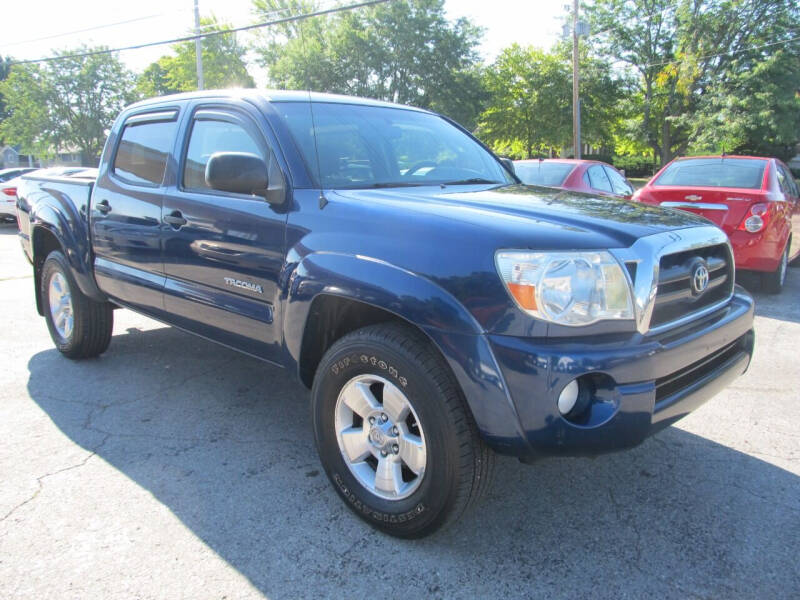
(509, 165)
(237, 172)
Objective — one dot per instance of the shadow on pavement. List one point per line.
(783, 306)
(224, 442)
(8, 228)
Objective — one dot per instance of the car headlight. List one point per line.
(568, 288)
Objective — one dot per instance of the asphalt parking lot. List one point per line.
(174, 468)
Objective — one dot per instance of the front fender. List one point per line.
(380, 284)
(441, 317)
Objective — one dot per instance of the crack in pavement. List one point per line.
(16, 278)
(40, 479)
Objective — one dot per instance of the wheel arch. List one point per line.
(52, 230)
(352, 292)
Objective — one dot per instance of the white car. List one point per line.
(8, 189)
(8, 200)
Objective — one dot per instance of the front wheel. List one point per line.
(79, 326)
(393, 432)
(772, 283)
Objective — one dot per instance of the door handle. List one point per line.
(103, 206)
(175, 219)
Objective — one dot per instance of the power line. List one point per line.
(189, 38)
(672, 62)
(93, 28)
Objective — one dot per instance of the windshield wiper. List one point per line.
(391, 184)
(472, 180)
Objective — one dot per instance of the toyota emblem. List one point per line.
(699, 279)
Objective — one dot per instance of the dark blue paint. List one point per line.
(425, 254)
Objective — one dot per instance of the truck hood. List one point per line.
(579, 220)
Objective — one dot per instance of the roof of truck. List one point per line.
(273, 96)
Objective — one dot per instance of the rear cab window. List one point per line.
(144, 147)
(543, 173)
(745, 173)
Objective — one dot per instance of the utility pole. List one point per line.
(576, 107)
(198, 46)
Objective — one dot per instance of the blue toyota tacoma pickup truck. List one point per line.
(438, 310)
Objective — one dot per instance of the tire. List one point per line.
(79, 326)
(772, 282)
(452, 467)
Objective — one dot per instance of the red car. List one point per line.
(591, 176)
(755, 200)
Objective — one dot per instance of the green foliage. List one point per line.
(752, 111)
(65, 104)
(691, 58)
(530, 104)
(223, 65)
(406, 52)
(635, 165)
(5, 69)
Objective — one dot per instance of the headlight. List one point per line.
(568, 288)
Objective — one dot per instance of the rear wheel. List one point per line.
(393, 432)
(773, 282)
(79, 326)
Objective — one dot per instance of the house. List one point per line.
(10, 157)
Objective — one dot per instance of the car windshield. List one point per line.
(543, 173)
(363, 146)
(714, 172)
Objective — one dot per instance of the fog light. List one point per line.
(568, 397)
(754, 224)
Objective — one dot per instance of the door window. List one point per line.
(210, 136)
(143, 150)
(598, 179)
(618, 183)
(788, 186)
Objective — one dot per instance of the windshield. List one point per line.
(362, 146)
(714, 172)
(543, 173)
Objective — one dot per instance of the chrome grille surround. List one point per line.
(646, 254)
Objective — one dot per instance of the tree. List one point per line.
(406, 52)
(67, 103)
(224, 65)
(530, 102)
(5, 68)
(753, 110)
(682, 51)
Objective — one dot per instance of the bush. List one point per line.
(635, 166)
(606, 158)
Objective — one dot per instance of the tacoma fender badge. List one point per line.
(245, 285)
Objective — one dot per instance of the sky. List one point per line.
(33, 29)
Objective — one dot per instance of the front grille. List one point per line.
(675, 295)
(675, 382)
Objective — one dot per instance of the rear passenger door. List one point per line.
(126, 210)
(223, 252)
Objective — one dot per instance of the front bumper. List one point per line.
(644, 383)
